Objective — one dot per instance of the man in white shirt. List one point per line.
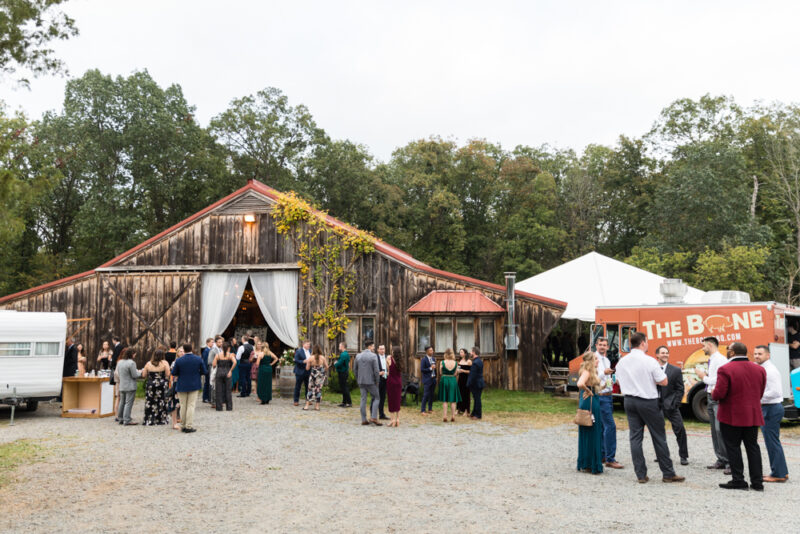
(638, 375)
(384, 373)
(606, 401)
(715, 361)
(772, 408)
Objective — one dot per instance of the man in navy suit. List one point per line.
(427, 367)
(740, 386)
(476, 384)
(189, 369)
(301, 375)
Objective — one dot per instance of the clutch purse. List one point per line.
(585, 417)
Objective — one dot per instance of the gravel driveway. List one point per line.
(276, 468)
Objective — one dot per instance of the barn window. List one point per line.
(351, 335)
(465, 333)
(487, 336)
(423, 333)
(359, 330)
(444, 334)
(15, 349)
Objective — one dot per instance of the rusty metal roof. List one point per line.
(456, 302)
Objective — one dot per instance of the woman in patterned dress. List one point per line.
(157, 374)
(317, 365)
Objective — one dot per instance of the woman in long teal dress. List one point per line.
(448, 384)
(265, 362)
(590, 438)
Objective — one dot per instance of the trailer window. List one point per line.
(47, 349)
(625, 341)
(612, 333)
(15, 349)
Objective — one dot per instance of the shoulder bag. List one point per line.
(585, 417)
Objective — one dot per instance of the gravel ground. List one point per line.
(276, 468)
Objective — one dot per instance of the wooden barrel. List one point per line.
(286, 381)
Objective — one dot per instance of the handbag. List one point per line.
(585, 417)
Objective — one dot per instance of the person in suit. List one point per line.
(206, 380)
(739, 389)
(427, 367)
(671, 396)
(772, 410)
(384, 371)
(70, 358)
(300, 373)
(189, 368)
(128, 373)
(476, 384)
(112, 365)
(367, 371)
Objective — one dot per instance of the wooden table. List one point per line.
(93, 393)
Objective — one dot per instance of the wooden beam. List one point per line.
(195, 268)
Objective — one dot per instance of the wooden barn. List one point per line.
(227, 270)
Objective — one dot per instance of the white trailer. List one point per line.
(31, 356)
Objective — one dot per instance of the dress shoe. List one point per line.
(189, 430)
(716, 465)
(365, 423)
(375, 422)
(297, 404)
(673, 478)
(727, 471)
(775, 479)
(342, 405)
(424, 413)
(132, 423)
(684, 461)
(384, 418)
(614, 465)
(757, 487)
(644, 480)
(734, 485)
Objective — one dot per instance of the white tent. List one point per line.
(595, 280)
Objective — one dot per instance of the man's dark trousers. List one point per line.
(299, 380)
(477, 407)
(343, 376)
(645, 412)
(382, 394)
(207, 387)
(675, 419)
(427, 395)
(734, 436)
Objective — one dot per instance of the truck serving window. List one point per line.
(15, 349)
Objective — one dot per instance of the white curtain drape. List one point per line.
(276, 294)
(222, 293)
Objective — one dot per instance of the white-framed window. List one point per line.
(16, 349)
(359, 330)
(444, 334)
(351, 334)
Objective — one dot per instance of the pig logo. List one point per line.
(717, 323)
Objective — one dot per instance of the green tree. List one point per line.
(27, 27)
(268, 139)
(737, 268)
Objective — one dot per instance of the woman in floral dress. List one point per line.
(317, 364)
(157, 374)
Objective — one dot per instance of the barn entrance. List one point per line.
(263, 304)
(248, 319)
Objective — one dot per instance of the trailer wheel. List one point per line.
(31, 406)
(700, 405)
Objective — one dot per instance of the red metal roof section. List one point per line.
(264, 189)
(456, 302)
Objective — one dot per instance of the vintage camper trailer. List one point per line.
(31, 356)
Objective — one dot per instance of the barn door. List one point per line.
(148, 310)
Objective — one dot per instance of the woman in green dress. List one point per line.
(448, 384)
(590, 437)
(265, 360)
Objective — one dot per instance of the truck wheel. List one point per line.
(700, 405)
(31, 406)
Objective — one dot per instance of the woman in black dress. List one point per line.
(464, 364)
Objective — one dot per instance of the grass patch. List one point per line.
(16, 453)
(499, 400)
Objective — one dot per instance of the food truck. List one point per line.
(681, 328)
(31, 356)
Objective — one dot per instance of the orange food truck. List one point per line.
(681, 328)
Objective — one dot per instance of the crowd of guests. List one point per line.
(743, 397)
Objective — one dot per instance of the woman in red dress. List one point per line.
(394, 385)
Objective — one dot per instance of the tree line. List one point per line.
(710, 194)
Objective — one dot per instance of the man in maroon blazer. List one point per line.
(740, 386)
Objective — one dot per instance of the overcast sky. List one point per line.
(383, 73)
